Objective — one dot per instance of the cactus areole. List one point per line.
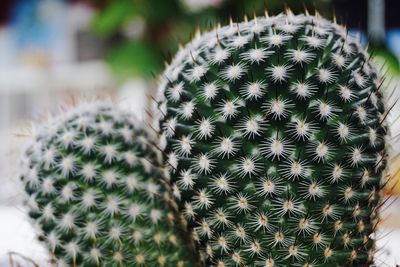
(274, 137)
(95, 197)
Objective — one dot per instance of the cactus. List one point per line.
(273, 133)
(93, 194)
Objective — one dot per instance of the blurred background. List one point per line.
(55, 52)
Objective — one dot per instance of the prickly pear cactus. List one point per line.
(94, 195)
(274, 137)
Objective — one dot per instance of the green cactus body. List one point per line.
(94, 196)
(274, 135)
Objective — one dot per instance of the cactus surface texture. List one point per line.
(93, 194)
(274, 137)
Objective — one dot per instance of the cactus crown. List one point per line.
(274, 137)
(91, 195)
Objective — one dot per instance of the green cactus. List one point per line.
(274, 137)
(95, 196)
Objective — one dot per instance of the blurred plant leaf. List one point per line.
(110, 19)
(135, 58)
(159, 10)
(388, 58)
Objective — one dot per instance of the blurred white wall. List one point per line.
(33, 82)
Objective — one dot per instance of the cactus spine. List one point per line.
(95, 196)
(274, 137)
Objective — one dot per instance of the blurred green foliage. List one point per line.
(134, 57)
(383, 54)
(163, 24)
(166, 23)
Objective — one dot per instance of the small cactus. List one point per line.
(94, 195)
(274, 137)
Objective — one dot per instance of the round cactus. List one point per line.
(95, 196)
(274, 138)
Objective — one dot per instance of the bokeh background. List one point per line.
(55, 52)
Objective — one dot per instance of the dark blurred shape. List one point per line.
(392, 13)
(351, 13)
(354, 13)
(5, 8)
